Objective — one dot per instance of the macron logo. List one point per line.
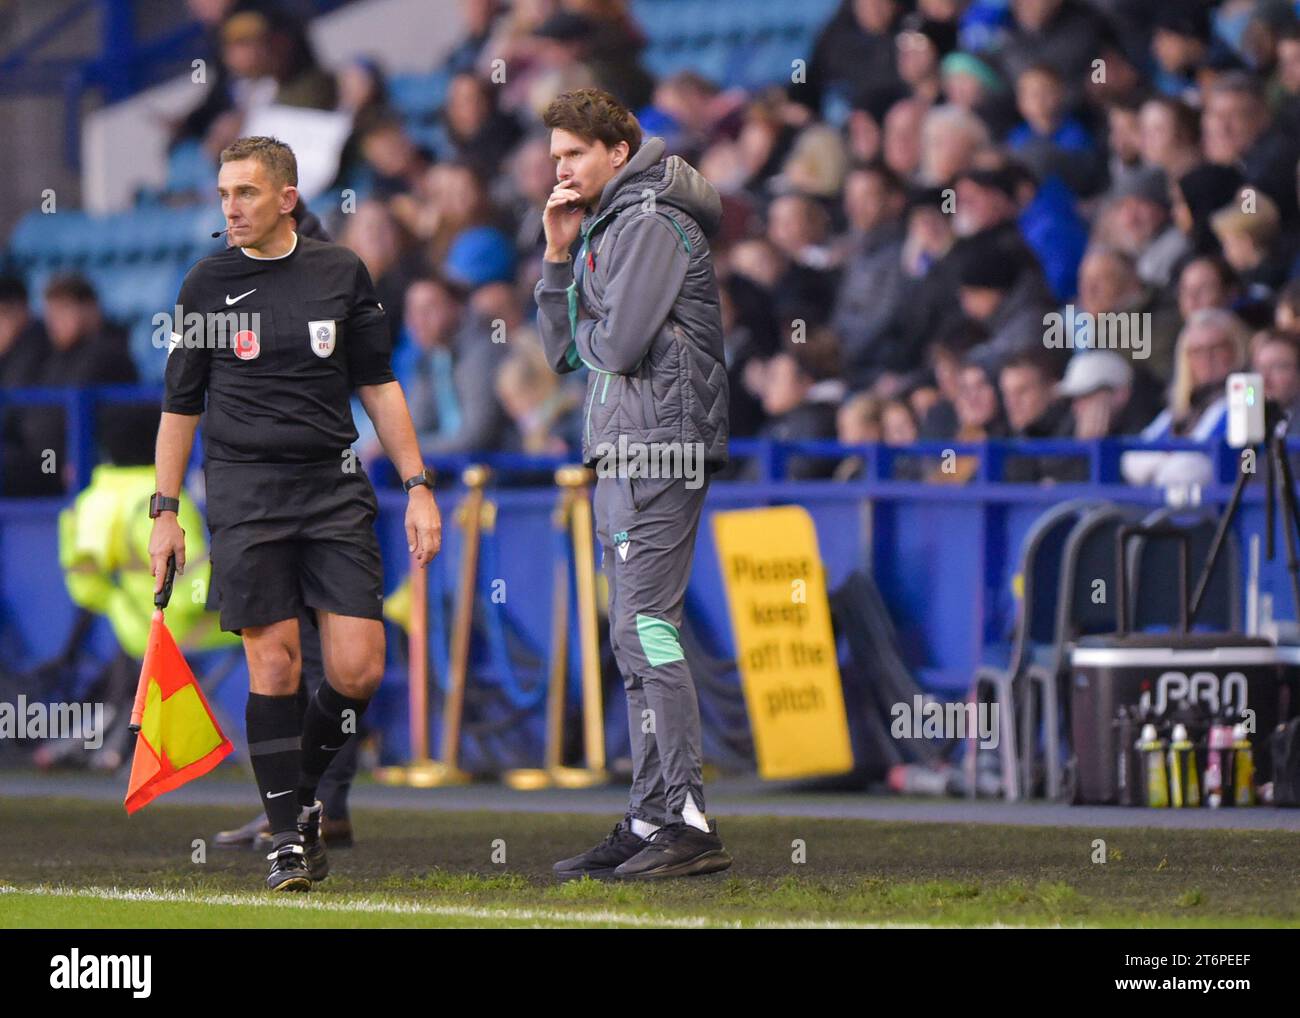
(76, 971)
(235, 300)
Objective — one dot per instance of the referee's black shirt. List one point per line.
(278, 377)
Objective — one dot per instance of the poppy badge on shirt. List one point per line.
(247, 345)
(322, 337)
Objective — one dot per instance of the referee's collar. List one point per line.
(272, 258)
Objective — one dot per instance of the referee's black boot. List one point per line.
(677, 850)
(288, 865)
(601, 861)
(313, 844)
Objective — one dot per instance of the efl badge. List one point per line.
(322, 338)
(246, 345)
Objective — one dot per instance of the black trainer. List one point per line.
(289, 868)
(619, 846)
(677, 850)
(313, 844)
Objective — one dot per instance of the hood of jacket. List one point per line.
(673, 181)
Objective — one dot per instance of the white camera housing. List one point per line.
(1245, 409)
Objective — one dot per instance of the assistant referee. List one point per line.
(289, 509)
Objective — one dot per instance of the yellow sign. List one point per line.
(781, 620)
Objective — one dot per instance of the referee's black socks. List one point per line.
(274, 744)
(330, 720)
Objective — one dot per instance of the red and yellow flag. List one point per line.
(179, 738)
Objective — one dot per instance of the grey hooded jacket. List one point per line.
(642, 313)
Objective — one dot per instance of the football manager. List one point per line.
(289, 509)
(638, 306)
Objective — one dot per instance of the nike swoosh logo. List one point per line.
(331, 749)
(235, 300)
(276, 795)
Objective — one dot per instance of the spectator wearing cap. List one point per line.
(1008, 200)
(866, 304)
(1136, 220)
(1237, 129)
(1007, 300)
(972, 84)
(1196, 196)
(1103, 398)
(1169, 135)
(1048, 140)
(1250, 231)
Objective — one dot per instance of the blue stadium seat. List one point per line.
(418, 95)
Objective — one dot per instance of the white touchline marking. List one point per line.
(470, 912)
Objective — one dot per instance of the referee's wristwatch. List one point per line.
(160, 503)
(424, 477)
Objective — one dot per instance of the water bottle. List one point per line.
(1152, 748)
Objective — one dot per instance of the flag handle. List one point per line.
(161, 598)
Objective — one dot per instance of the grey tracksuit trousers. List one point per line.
(647, 532)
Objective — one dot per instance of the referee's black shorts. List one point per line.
(289, 535)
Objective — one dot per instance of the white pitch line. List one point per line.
(312, 904)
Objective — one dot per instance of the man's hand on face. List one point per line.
(562, 220)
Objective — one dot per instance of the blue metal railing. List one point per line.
(879, 461)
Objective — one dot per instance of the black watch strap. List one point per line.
(424, 477)
(160, 503)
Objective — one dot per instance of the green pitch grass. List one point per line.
(68, 863)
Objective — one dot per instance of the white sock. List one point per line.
(691, 814)
(643, 828)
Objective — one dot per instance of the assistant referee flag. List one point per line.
(179, 738)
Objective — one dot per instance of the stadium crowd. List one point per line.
(936, 182)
